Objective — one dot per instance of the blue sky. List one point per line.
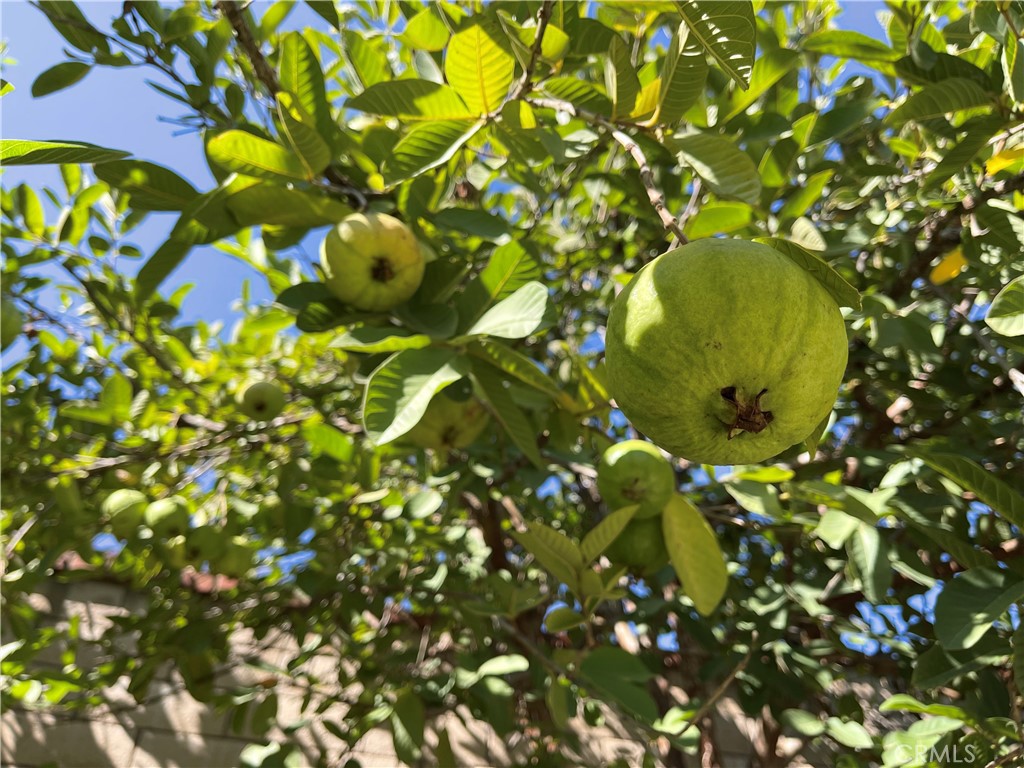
(116, 108)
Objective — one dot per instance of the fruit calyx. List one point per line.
(382, 271)
(749, 416)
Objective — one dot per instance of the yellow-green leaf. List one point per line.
(695, 554)
(479, 65)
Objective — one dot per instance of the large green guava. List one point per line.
(640, 547)
(372, 261)
(725, 352)
(449, 424)
(635, 472)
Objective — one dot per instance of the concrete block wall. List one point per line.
(172, 729)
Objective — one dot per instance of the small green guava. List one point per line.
(640, 547)
(124, 510)
(236, 560)
(174, 552)
(372, 261)
(635, 472)
(261, 401)
(449, 424)
(168, 517)
(205, 544)
(725, 352)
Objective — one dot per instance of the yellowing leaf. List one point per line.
(647, 101)
(951, 265)
(1005, 159)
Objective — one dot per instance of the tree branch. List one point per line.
(543, 16)
(655, 195)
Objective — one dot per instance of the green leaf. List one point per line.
(936, 667)
(869, 556)
(408, 723)
(562, 620)
(73, 26)
(978, 131)
(515, 317)
(1006, 313)
(517, 425)
(684, 71)
(301, 135)
(969, 604)
(814, 439)
(509, 361)
(412, 100)
(849, 45)
(267, 203)
(803, 722)
(510, 267)
(1013, 67)
(939, 99)
(58, 77)
(840, 290)
(835, 527)
(427, 146)
(31, 210)
(727, 31)
(902, 702)
(1018, 657)
(400, 389)
(604, 533)
(329, 441)
(759, 498)
(87, 410)
(302, 76)
(727, 170)
(152, 187)
(849, 733)
(242, 152)
(295, 297)
(367, 55)
(164, 260)
(1005, 227)
(621, 677)
(558, 554)
(989, 489)
(371, 340)
(426, 31)
(479, 66)
(695, 554)
(620, 80)
(5, 87)
(28, 152)
(768, 70)
(945, 67)
(718, 218)
(579, 93)
(472, 221)
(499, 666)
(116, 396)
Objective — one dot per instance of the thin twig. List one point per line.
(708, 705)
(525, 84)
(655, 195)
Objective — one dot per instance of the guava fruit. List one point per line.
(124, 510)
(168, 517)
(372, 261)
(236, 560)
(11, 322)
(640, 547)
(205, 544)
(449, 424)
(261, 401)
(635, 472)
(174, 552)
(725, 352)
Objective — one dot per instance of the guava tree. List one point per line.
(410, 476)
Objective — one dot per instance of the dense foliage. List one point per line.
(538, 172)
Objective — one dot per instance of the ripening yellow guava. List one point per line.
(640, 547)
(635, 472)
(261, 401)
(725, 352)
(124, 510)
(449, 424)
(372, 261)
